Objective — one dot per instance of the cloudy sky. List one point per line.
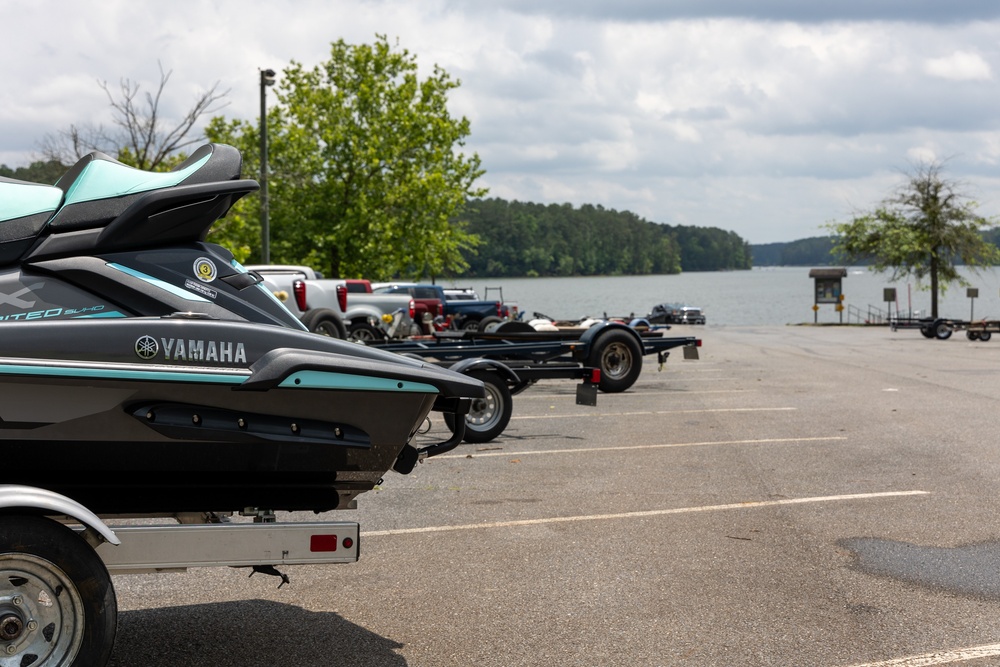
(768, 118)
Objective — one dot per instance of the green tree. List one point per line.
(925, 229)
(366, 168)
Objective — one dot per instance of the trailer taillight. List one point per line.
(595, 376)
(499, 309)
(299, 289)
(342, 297)
(413, 310)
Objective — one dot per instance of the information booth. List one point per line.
(829, 289)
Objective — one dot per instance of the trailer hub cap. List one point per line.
(11, 626)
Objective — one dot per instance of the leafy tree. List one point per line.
(140, 138)
(925, 228)
(366, 170)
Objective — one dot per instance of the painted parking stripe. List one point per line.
(642, 514)
(618, 448)
(651, 412)
(674, 392)
(939, 657)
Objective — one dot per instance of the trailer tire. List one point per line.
(325, 322)
(489, 324)
(941, 330)
(927, 332)
(67, 613)
(489, 416)
(972, 335)
(618, 355)
(985, 336)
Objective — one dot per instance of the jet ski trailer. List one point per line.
(145, 374)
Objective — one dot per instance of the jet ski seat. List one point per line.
(95, 191)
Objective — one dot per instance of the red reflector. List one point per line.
(699, 343)
(595, 376)
(323, 543)
(348, 543)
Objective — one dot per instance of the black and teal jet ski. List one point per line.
(143, 370)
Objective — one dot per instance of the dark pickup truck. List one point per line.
(467, 314)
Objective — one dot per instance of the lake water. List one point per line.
(766, 295)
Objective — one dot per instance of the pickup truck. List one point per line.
(467, 314)
(326, 306)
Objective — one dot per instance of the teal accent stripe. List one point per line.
(324, 380)
(113, 313)
(120, 374)
(102, 179)
(156, 282)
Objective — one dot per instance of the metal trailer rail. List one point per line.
(606, 356)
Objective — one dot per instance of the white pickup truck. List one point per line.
(325, 306)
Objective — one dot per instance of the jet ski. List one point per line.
(144, 370)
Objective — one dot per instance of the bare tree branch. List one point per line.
(141, 138)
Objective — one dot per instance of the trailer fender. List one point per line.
(14, 496)
(479, 363)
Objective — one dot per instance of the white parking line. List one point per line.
(675, 392)
(640, 514)
(615, 448)
(939, 657)
(650, 412)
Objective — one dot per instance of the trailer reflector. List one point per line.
(322, 543)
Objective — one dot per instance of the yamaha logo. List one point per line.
(146, 347)
(204, 269)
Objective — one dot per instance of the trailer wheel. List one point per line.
(985, 336)
(927, 332)
(325, 322)
(619, 357)
(972, 335)
(489, 324)
(941, 330)
(57, 604)
(489, 416)
(364, 333)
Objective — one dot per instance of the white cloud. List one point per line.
(701, 114)
(959, 66)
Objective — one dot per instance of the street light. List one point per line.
(266, 79)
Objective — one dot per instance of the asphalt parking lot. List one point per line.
(798, 496)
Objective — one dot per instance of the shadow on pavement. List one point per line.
(249, 633)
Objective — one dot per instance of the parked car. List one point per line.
(675, 313)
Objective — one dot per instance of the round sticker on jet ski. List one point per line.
(205, 269)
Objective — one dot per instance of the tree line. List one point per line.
(529, 239)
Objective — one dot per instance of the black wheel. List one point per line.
(985, 336)
(325, 322)
(972, 335)
(57, 604)
(489, 323)
(941, 330)
(364, 332)
(619, 357)
(470, 324)
(489, 416)
(927, 332)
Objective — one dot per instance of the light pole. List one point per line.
(266, 79)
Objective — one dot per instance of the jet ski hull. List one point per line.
(143, 415)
